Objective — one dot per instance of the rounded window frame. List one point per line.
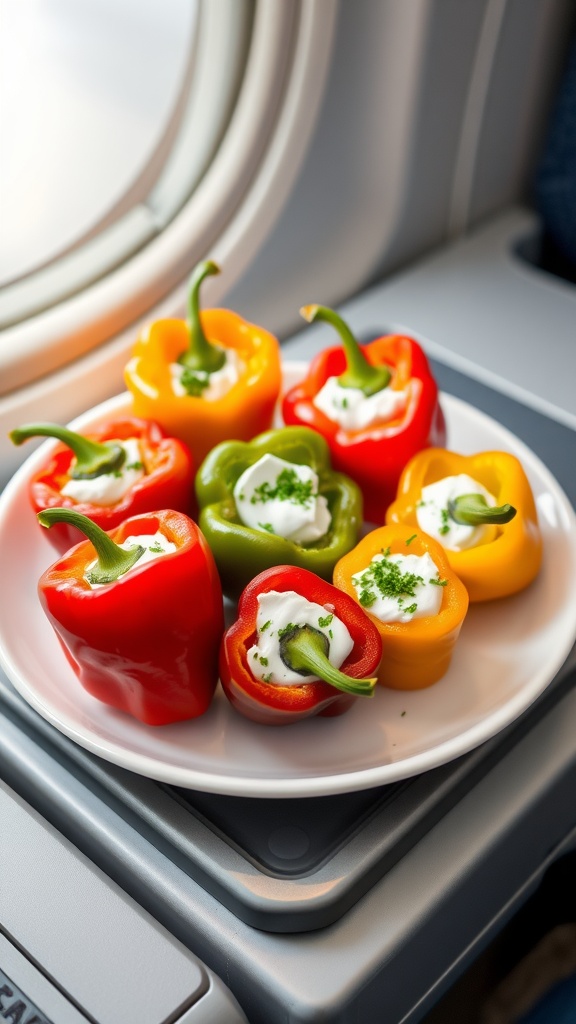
(83, 310)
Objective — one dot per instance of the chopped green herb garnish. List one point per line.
(267, 678)
(445, 528)
(263, 661)
(156, 548)
(330, 634)
(411, 609)
(410, 539)
(265, 626)
(286, 629)
(135, 465)
(389, 579)
(288, 487)
(385, 578)
(266, 526)
(438, 583)
(325, 620)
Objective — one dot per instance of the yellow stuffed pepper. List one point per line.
(481, 509)
(208, 379)
(403, 581)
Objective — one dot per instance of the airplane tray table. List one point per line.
(293, 865)
(282, 866)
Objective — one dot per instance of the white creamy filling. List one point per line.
(280, 497)
(154, 544)
(108, 488)
(399, 588)
(353, 410)
(277, 611)
(433, 517)
(218, 383)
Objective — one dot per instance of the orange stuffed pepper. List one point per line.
(481, 509)
(211, 378)
(404, 583)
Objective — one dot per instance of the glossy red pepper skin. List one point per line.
(374, 457)
(284, 705)
(144, 644)
(167, 483)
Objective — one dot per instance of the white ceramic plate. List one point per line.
(507, 653)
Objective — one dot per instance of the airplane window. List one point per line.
(89, 93)
(107, 124)
(139, 136)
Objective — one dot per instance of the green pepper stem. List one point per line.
(201, 354)
(305, 650)
(112, 561)
(92, 458)
(359, 373)
(474, 510)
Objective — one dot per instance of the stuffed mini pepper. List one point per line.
(376, 405)
(123, 606)
(299, 647)
(213, 377)
(276, 501)
(121, 469)
(482, 510)
(404, 583)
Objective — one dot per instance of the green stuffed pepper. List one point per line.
(276, 500)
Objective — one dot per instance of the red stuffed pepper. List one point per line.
(127, 617)
(376, 405)
(299, 647)
(123, 468)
